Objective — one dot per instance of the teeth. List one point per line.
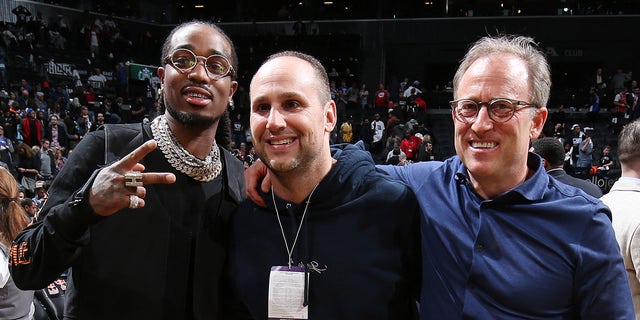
(483, 145)
(285, 141)
(196, 95)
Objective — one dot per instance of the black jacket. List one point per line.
(361, 226)
(586, 186)
(163, 261)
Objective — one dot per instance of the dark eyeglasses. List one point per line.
(184, 60)
(500, 109)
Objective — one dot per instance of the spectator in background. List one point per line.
(4, 80)
(346, 129)
(378, 129)
(363, 97)
(15, 303)
(585, 152)
(412, 90)
(393, 156)
(635, 113)
(84, 121)
(73, 130)
(365, 133)
(250, 158)
(410, 144)
(593, 105)
(47, 161)
(30, 208)
(623, 199)
(575, 138)
(99, 122)
(425, 151)
(28, 168)
(57, 134)
(23, 99)
(619, 110)
(238, 127)
(619, 79)
(334, 75)
(6, 151)
(93, 41)
(120, 74)
(552, 153)
(381, 100)
(97, 80)
(138, 110)
(606, 161)
(41, 103)
(559, 132)
(32, 131)
(41, 195)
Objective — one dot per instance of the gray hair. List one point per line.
(629, 142)
(523, 47)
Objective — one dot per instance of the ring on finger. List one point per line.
(134, 201)
(133, 179)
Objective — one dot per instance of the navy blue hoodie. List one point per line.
(361, 227)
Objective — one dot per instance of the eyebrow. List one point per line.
(193, 49)
(287, 95)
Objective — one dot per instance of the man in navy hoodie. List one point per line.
(330, 244)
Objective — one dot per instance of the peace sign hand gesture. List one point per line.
(121, 185)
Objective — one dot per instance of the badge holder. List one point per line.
(287, 294)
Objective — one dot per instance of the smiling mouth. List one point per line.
(483, 145)
(196, 95)
(281, 142)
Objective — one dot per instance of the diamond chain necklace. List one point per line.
(203, 170)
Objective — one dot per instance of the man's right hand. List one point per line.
(252, 176)
(109, 194)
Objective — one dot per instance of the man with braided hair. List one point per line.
(140, 211)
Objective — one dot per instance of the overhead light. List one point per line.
(328, 2)
(199, 6)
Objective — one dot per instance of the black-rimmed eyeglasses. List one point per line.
(184, 60)
(500, 109)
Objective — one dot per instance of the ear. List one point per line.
(233, 88)
(545, 164)
(161, 75)
(331, 117)
(537, 122)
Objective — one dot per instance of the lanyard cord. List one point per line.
(304, 213)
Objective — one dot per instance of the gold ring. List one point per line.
(133, 201)
(133, 179)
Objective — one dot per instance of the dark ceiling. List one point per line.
(247, 10)
(278, 10)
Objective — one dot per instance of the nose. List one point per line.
(198, 73)
(483, 122)
(276, 121)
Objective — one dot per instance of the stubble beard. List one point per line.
(190, 120)
(279, 167)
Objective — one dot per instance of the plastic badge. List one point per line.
(286, 294)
